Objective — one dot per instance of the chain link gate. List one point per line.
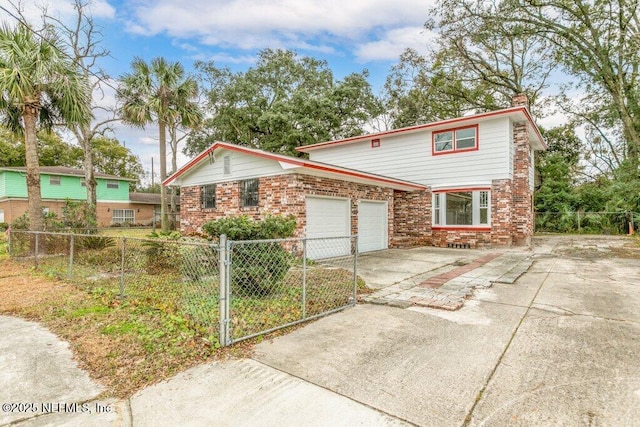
(272, 284)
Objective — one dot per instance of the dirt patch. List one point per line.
(594, 247)
(123, 346)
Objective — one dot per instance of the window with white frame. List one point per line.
(436, 209)
(54, 180)
(453, 140)
(113, 184)
(468, 208)
(121, 216)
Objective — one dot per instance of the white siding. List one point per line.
(243, 166)
(408, 157)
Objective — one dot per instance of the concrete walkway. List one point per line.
(442, 278)
(557, 346)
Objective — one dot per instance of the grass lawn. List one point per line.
(127, 232)
(167, 322)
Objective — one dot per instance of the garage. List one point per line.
(328, 217)
(372, 226)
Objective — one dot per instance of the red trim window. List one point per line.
(375, 143)
(467, 208)
(455, 140)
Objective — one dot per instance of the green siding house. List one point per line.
(57, 184)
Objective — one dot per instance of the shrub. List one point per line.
(161, 251)
(3, 226)
(244, 228)
(257, 267)
(95, 242)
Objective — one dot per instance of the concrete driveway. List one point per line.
(558, 346)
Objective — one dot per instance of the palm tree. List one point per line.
(39, 87)
(160, 93)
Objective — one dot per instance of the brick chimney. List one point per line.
(522, 214)
(520, 100)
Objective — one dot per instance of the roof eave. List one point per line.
(411, 129)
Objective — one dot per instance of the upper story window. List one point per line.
(208, 196)
(113, 184)
(54, 180)
(249, 192)
(454, 140)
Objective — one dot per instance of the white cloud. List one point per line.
(32, 11)
(250, 24)
(394, 42)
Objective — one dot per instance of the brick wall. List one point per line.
(280, 194)
(412, 218)
(522, 194)
(461, 238)
(501, 212)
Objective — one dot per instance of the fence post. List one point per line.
(35, 252)
(224, 291)
(124, 244)
(304, 278)
(9, 233)
(578, 213)
(71, 256)
(355, 272)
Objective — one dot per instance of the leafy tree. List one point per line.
(110, 157)
(159, 92)
(11, 148)
(413, 93)
(82, 37)
(561, 141)
(54, 151)
(39, 86)
(595, 41)
(283, 102)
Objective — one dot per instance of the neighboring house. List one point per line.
(57, 184)
(464, 182)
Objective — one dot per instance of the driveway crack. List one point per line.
(478, 398)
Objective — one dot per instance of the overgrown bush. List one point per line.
(161, 251)
(243, 227)
(95, 242)
(258, 267)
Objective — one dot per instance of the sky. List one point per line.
(350, 35)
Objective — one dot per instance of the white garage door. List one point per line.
(328, 218)
(372, 226)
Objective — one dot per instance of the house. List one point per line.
(115, 204)
(463, 182)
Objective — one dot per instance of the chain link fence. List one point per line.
(229, 291)
(587, 222)
(278, 283)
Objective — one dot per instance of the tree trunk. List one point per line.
(29, 116)
(163, 175)
(174, 168)
(89, 177)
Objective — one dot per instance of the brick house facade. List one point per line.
(491, 180)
